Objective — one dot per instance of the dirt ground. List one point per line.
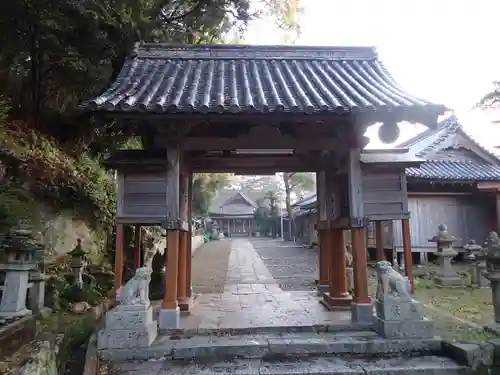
(209, 267)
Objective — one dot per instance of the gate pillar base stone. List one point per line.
(334, 303)
(362, 313)
(186, 304)
(169, 318)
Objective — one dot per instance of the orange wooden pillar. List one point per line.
(189, 257)
(182, 275)
(190, 235)
(362, 310)
(323, 241)
(119, 256)
(337, 277)
(379, 241)
(172, 268)
(405, 226)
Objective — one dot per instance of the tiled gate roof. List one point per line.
(162, 78)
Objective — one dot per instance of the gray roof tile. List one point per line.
(455, 170)
(226, 78)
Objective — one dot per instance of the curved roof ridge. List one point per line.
(235, 51)
(446, 128)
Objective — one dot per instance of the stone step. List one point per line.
(282, 345)
(261, 330)
(423, 365)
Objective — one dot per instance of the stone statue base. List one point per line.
(128, 327)
(396, 318)
(449, 281)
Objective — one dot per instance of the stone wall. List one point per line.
(61, 229)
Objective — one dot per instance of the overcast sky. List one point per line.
(444, 51)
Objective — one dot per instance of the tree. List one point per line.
(266, 214)
(491, 99)
(205, 186)
(294, 183)
(47, 68)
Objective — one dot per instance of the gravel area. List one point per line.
(294, 267)
(209, 267)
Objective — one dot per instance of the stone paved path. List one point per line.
(252, 298)
(293, 266)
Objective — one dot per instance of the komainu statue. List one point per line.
(136, 290)
(391, 283)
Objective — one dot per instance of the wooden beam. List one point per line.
(489, 185)
(253, 164)
(274, 143)
(436, 194)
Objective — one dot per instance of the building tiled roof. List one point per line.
(251, 196)
(431, 139)
(455, 170)
(161, 78)
(306, 201)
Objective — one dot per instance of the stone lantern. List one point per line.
(21, 252)
(478, 258)
(493, 274)
(446, 275)
(78, 263)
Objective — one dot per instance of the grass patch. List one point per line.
(466, 303)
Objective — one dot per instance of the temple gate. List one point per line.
(258, 110)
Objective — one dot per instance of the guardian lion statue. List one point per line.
(391, 283)
(136, 290)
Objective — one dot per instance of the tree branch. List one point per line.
(181, 16)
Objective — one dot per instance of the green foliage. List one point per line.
(52, 175)
(267, 214)
(15, 206)
(47, 68)
(205, 186)
(295, 183)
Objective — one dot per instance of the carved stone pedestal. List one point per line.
(169, 318)
(397, 319)
(128, 327)
(398, 315)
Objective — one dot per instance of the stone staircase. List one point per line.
(307, 352)
(398, 340)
